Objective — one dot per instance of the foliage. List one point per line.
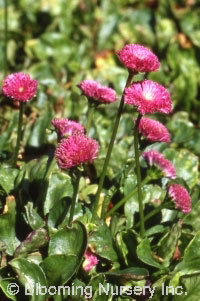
(60, 43)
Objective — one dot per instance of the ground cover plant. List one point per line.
(99, 145)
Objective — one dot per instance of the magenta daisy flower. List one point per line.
(153, 130)
(64, 126)
(90, 261)
(181, 197)
(20, 87)
(153, 157)
(97, 92)
(75, 150)
(148, 97)
(138, 58)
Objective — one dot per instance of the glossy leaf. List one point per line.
(60, 268)
(8, 239)
(69, 240)
(29, 274)
(145, 254)
(101, 240)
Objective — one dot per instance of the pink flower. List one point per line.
(75, 150)
(153, 130)
(153, 157)
(64, 126)
(148, 97)
(20, 86)
(90, 261)
(138, 58)
(181, 197)
(96, 91)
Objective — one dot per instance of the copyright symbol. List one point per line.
(13, 289)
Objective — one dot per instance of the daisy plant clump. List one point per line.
(22, 88)
(146, 97)
(135, 58)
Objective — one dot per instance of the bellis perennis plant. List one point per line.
(79, 225)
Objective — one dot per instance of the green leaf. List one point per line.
(144, 253)
(60, 268)
(193, 218)
(60, 187)
(70, 240)
(168, 243)
(7, 177)
(132, 273)
(186, 164)
(58, 213)
(4, 283)
(181, 128)
(29, 274)
(165, 29)
(191, 289)
(150, 193)
(8, 240)
(191, 27)
(121, 247)
(187, 268)
(101, 241)
(38, 134)
(193, 249)
(33, 218)
(95, 281)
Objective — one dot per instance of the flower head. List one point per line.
(153, 130)
(181, 197)
(97, 92)
(148, 97)
(138, 58)
(75, 150)
(64, 126)
(20, 86)
(90, 261)
(153, 157)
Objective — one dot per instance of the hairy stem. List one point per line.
(109, 151)
(19, 133)
(5, 36)
(138, 173)
(91, 107)
(155, 211)
(126, 198)
(75, 195)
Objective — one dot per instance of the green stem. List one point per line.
(5, 35)
(155, 211)
(50, 167)
(74, 196)
(106, 201)
(109, 151)
(19, 133)
(138, 173)
(126, 198)
(91, 107)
